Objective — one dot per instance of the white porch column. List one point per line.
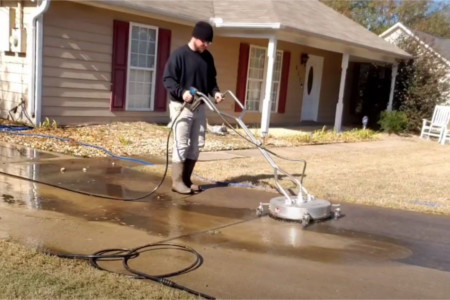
(340, 104)
(271, 55)
(391, 94)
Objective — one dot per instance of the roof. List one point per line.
(439, 46)
(304, 17)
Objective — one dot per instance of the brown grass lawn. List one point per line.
(28, 274)
(397, 172)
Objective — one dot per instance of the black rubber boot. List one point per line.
(177, 179)
(189, 165)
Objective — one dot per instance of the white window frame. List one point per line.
(129, 68)
(263, 86)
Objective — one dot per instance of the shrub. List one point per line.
(420, 84)
(393, 121)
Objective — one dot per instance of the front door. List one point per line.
(311, 88)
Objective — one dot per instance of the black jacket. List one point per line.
(185, 69)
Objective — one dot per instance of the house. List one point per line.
(97, 61)
(437, 47)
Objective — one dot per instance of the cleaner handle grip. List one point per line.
(193, 91)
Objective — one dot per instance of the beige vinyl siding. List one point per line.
(15, 71)
(226, 59)
(77, 65)
(77, 69)
(73, 102)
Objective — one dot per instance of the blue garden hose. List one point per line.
(7, 128)
(79, 143)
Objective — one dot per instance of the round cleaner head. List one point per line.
(316, 209)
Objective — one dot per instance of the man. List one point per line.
(190, 66)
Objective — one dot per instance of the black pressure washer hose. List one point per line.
(111, 197)
(126, 254)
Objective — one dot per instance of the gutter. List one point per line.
(219, 23)
(37, 34)
(399, 55)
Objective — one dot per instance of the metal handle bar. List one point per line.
(302, 194)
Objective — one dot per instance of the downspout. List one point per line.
(37, 35)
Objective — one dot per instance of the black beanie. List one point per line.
(203, 31)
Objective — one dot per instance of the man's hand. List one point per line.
(218, 97)
(187, 96)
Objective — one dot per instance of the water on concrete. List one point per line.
(362, 255)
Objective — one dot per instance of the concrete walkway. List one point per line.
(369, 253)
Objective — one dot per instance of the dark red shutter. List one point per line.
(244, 52)
(164, 37)
(119, 65)
(284, 81)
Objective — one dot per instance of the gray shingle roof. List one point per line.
(440, 45)
(183, 10)
(309, 17)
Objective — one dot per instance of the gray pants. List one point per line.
(189, 131)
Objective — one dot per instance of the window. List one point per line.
(141, 67)
(256, 79)
(135, 66)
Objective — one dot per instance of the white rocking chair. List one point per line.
(438, 123)
(445, 136)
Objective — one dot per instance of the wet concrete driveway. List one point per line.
(369, 253)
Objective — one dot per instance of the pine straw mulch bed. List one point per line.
(120, 138)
